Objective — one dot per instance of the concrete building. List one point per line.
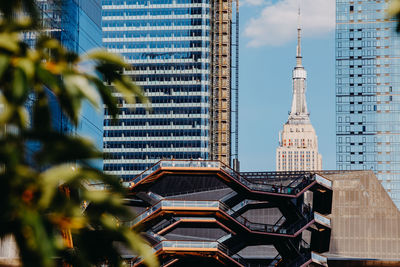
(180, 51)
(367, 92)
(298, 142)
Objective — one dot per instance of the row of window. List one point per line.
(386, 126)
(358, 52)
(345, 70)
(158, 34)
(151, 2)
(360, 98)
(371, 139)
(164, 44)
(358, 81)
(357, 108)
(155, 11)
(168, 98)
(172, 66)
(169, 89)
(151, 155)
(153, 122)
(290, 153)
(154, 144)
(365, 90)
(165, 56)
(171, 78)
(127, 167)
(361, 33)
(364, 99)
(178, 76)
(153, 23)
(297, 142)
(370, 157)
(363, 62)
(156, 46)
(178, 99)
(155, 133)
(166, 110)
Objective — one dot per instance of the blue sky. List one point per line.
(267, 58)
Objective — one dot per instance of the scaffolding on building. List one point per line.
(223, 85)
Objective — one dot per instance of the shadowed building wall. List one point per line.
(365, 221)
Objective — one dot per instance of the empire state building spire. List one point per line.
(298, 142)
(299, 113)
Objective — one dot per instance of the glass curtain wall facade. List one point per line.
(168, 44)
(77, 25)
(368, 92)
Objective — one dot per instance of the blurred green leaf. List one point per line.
(9, 42)
(394, 8)
(34, 243)
(41, 110)
(393, 12)
(19, 90)
(45, 41)
(23, 116)
(81, 83)
(6, 109)
(48, 79)
(27, 66)
(125, 91)
(103, 55)
(130, 91)
(4, 61)
(51, 180)
(108, 99)
(143, 249)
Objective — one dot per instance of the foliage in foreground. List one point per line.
(41, 206)
(394, 12)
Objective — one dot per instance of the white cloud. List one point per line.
(277, 22)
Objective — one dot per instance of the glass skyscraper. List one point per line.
(181, 59)
(368, 92)
(77, 25)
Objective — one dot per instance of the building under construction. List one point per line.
(203, 212)
(184, 55)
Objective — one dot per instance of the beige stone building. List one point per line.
(298, 142)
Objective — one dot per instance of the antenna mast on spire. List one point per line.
(298, 54)
(298, 14)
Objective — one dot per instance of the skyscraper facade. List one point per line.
(298, 142)
(367, 92)
(77, 25)
(180, 52)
